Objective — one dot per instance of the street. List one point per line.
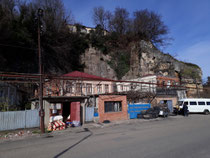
(173, 137)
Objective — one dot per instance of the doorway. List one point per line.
(169, 104)
(66, 110)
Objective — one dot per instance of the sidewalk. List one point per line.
(25, 133)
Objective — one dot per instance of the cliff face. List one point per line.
(96, 63)
(144, 59)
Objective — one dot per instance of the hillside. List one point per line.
(119, 51)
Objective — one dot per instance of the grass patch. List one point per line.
(38, 131)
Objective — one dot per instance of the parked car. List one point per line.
(164, 111)
(149, 113)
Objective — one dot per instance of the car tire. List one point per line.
(206, 112)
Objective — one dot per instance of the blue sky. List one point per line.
(188, 22)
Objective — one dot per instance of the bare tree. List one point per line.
(136, 96)
(101, 17)
(149, 26)
(120, 21)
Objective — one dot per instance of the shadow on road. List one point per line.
(80, 141)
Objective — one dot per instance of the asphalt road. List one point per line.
(174, 137)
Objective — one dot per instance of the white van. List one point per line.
(196, 105)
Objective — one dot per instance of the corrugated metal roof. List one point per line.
(78, 74)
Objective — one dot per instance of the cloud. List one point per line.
(198, 53)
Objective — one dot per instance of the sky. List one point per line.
(188, 22)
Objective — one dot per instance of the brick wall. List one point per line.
(112, 116)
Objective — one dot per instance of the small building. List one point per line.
(112, 107)
(77, 28)
(80, 95)
(147, 83)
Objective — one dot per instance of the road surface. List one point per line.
(173, 137)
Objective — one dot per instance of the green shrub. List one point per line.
(120, 62)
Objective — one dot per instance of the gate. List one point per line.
(75, 111)
(89, 114)
(135, 109)
(169, 104)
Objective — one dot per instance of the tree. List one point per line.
(148, 25)
(101, 17)
(208, 81)
(18, 28)
(119, 22)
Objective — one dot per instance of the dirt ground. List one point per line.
(18, 134)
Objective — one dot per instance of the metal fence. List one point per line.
(19, 119)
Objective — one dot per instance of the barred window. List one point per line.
(112, 106)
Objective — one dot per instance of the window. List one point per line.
(48, 90)
(168, 84)
(89, 88)
(121, 87)
(78, 88)
(106, 88)
(69, 87)
(99, 88)
(201, 103)
(163, 83)
(112, 106)
(114, 88)
(193, 103)
(207, 103)
(173, 83)
(186, 103)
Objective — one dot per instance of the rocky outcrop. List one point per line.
(96, 63)
(144, 59)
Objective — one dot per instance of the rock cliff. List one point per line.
(139, 59)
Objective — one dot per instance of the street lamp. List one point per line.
(41, 113)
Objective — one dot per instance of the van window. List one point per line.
(186, 103)
(193, 103)
(207, 103)
(201, 103)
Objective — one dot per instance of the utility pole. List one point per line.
(41, 112)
